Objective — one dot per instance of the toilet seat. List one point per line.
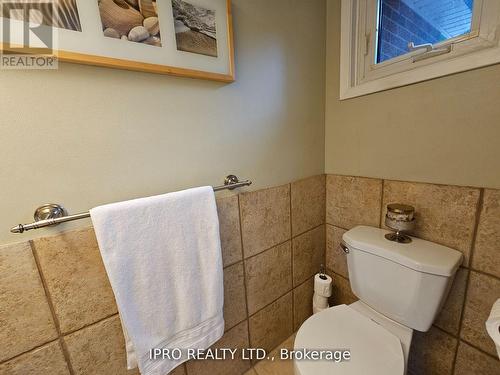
(374, 350)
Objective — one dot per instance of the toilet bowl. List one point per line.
(401, 287)
(377, 345)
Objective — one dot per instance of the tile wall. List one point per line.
(58, 313)
(59, 316)
(466, 219)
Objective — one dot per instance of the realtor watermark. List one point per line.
(221, 354)
(29, 41)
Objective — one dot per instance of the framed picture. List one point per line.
(191, 38)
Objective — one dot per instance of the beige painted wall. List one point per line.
(443, 131)
(84, 136)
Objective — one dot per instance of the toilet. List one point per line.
(401, 288)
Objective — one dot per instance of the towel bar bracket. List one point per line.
(49, 211)
(231, 180)
(52, 214)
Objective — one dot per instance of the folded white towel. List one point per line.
(163, 258)
(493, 325)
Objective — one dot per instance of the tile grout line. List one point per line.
(327, 199)
(307, 231)
(232, 264)
(279, 244)
(29, 350)
(464, 341)
(336, 226)
(337, 274)
(284, 294)
(291, 252)
(484, 273)
(325, 258)
(57, 324)
(277, 298)
(406, 181)
(247, 315)
(478, 349)
(381, 203)
(89, 324)
(446, 332)
(479, 208)
(477, 218)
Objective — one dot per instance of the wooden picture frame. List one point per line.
(90, 45)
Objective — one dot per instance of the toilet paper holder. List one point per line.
(322, 272)
(344, 247)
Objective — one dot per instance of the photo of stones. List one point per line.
(62, 14)
(195, 29)
(131, 20)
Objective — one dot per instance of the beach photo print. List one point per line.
(186, 38)
(195, 28)
(130, 20)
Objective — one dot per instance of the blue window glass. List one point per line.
(420, 22)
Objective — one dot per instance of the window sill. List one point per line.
(358, 49)
(459, 64)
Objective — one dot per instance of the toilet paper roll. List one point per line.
(318, 309)
(320, 301)
(493, 325)
(323, 285)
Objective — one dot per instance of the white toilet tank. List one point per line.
(407, 283)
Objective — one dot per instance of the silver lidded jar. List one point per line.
(400, 218)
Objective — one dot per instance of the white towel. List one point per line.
(163, 258)
(493, 325)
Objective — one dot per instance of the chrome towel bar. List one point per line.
(53, 214)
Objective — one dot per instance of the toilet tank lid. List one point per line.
(420, 255)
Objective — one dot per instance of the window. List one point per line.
(420, 22)
(390, 43)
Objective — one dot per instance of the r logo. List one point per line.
(37, 36)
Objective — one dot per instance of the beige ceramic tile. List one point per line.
(302, 302)
(341, 291)
(265, 219)
(449, 317)
(487, 248)
(472, 361)
(236, 338)
(272, 325)
(268, 276)
(25, 318)
(352, 201)
(308, 203)
(278, 366)
(76, 279)
(336, 259)
(287, 344)
(98, 349)
(180, 370)
(235, 308)
(229, 227)
(432, 353)
(46, 360)
(444, 214)
(308, 254)
(482, 293)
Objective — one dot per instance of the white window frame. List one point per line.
(359, 75)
